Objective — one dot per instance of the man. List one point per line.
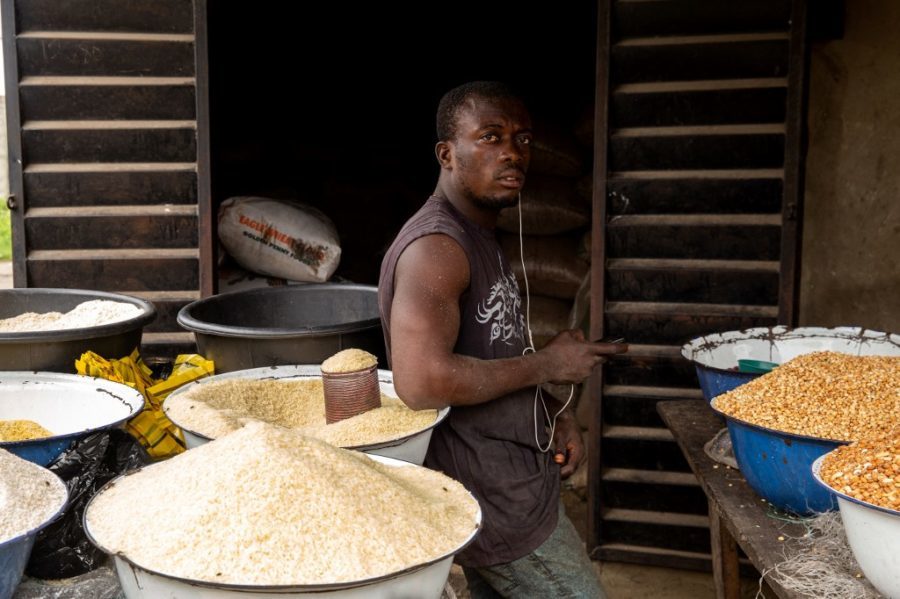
(456, 336)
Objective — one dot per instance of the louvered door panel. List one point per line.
(108, 155)
(697, 130)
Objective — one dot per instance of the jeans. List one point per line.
(558, 569)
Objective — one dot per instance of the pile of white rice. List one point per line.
(268, 506)
(29, 495)
(86, 314)
(349, 360)
(218, 408)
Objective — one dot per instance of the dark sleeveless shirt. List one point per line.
(490, 448)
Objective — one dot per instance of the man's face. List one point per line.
(491, 152)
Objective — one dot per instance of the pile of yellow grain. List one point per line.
(218, 408)
(349, 360)
(867, 470)
(22, 430)
(827, 395)
(268, 506)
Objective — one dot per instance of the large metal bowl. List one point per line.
(294, 324)
(14, 552)
(57, 351)
(423, 581)
(873, 533)
(716, 356)
(777, 465)
(409, 448)
(68, 405)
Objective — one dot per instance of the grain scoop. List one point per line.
(350, 384)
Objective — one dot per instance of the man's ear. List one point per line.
(444, 152)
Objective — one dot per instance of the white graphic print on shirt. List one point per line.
(502, 308)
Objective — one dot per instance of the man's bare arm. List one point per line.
(431, 275)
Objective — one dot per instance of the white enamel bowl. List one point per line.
(409, 448)
(68, 405)
(422, 581)
(873, 533)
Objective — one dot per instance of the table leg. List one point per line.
(724, 557)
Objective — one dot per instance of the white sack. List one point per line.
(278, 238)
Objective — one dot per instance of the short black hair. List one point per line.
(453, 100)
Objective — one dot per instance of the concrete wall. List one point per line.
(851, 246)
(4, 165)
(4, 150)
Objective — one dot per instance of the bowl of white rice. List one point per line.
(31, 497)
(48, 329)
(268, 512)
(292, 396)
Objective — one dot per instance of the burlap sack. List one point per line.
(552, 263)
(549, 206)
(548, 316)
(555, 153)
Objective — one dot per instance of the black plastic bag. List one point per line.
(62, 550)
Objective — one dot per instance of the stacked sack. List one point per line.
(556, 218)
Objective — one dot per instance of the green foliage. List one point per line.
(5, 233)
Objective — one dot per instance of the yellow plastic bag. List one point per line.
(150, 427)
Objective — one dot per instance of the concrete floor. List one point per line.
(627, 581)
(630, 581)
(6, 281)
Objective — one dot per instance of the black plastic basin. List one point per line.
(276, 326)
(56, 351)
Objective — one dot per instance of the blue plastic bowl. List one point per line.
(717, 356)
(778, 465)
(716, 381)
(68, 404)
(14, 553)
(40, 451)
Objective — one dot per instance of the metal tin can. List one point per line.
(350, 393)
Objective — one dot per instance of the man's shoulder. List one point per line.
(436, 247)
(433, 213)
(434, 262)
(434, 218)
(432, 240)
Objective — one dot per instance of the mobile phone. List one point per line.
(618, 342)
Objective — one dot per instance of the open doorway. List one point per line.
(347, 124)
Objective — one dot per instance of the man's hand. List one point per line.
(431, 276)
(570, 359)
(569, 444)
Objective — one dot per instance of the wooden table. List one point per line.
(737, 515)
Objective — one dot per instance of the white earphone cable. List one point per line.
(538, 394)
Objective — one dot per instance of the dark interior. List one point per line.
(337, 110)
